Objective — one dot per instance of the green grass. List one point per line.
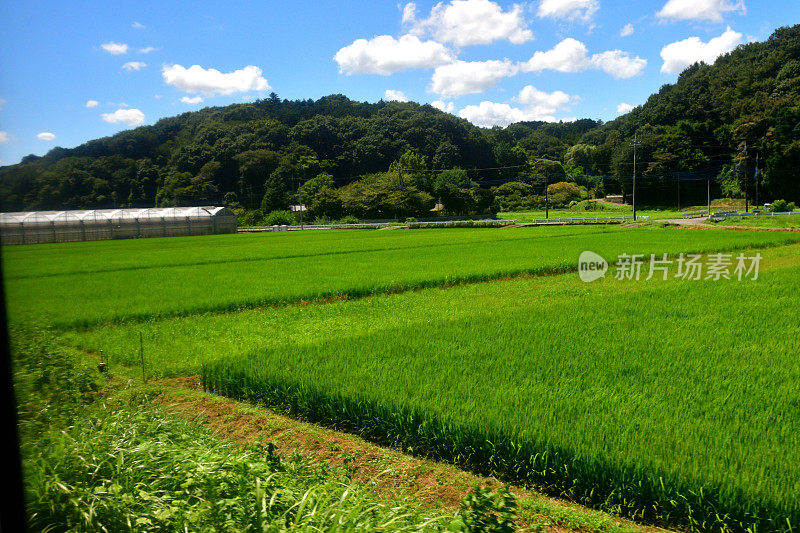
(762, 221)
(673, 402)
(599, 391)
(85, 284)
(641, 398)
(121, 464)
(608, 210)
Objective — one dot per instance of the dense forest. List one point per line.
(733, 122)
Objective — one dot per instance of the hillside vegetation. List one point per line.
(711, 124)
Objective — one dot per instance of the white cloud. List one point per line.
(538, 106)
(138, 26)
(571, 55)
(679, 55)
(131, 117)
(489, 114)
(468, 22)
(619, 64)
(711, 10)
(463, 77)
(624, 108)
(442, 106)
(626, 30)
(92, 103)
(134, 65)
(394, 96)
(192, 101)
(196, 79)
(541, 101)
(5, 137)
(386, 55)
(541, 105)
(147, 49)
(409, 13)
(2, 102)
(46, 136)
(568, 9)
(115, 48)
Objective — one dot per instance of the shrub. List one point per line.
(486, 511)
(562, 193)
(253, 217)
(349, 219)
(279, 218)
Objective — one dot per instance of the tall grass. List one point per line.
(665, 401)
(139, 470)
(124, 465)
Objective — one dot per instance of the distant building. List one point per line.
(35, 227)
(297, 208)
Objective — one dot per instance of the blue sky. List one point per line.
(75, 71)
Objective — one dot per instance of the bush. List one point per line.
(487, 511)
(587, 206)
(253, 217)
(349, 219)
(562, 193)
(782, 206)
(279, 218)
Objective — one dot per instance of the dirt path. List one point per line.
(698, 221)
(389, 473)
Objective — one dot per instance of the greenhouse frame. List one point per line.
(100, 224)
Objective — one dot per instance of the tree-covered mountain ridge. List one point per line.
(716, 119)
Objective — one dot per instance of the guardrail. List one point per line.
(373, 225)
(760, 214)
(585, 220)
(445, 224)
(694, 214)
(725, 212)
(460, 223)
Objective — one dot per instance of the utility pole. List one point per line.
(546, 199)
(757, 204)
(746, 205)
(678, 181)
(635, 144)
(300, 198)
(708, 185)
(399, 177)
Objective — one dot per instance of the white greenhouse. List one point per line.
(99, 224)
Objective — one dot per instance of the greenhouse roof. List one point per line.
(163, 213)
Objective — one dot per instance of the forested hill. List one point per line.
(715, 119)
(247, 148)
(746, 103)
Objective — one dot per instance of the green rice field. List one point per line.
(762, 221)
(84, 284)
(674, 402)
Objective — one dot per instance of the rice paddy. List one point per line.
(674, 402)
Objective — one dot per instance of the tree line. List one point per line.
(737, 121)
